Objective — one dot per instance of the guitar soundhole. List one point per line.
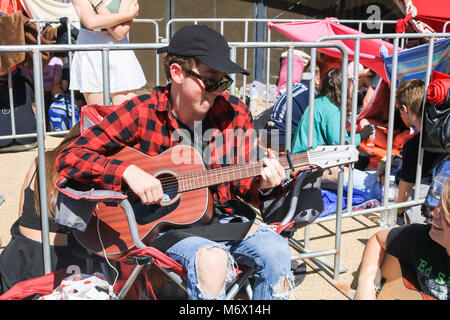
(149, 213)
(170, 187)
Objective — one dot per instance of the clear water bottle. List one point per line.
(371, 139)
(253, 100)
(388, 217)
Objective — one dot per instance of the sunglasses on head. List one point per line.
(212, 85)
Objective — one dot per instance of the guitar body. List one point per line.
(399, 282)
(113, 236)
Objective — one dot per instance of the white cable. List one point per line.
(104, 253)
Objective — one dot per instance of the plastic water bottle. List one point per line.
(371, 139)
(388, 217)
(253, 100)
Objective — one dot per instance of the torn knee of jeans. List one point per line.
(283, 289)
(230, 275)
(262, 227)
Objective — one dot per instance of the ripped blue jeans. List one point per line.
(264, 250)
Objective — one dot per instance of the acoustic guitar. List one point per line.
(397, 282)
(187, 200)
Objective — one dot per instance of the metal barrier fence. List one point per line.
(385, 206)
(105, 49)
(169, 25)
(40, 120)
(245, 37)
(106, 90)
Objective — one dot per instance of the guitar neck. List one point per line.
(207, 178)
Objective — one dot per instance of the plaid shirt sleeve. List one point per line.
(84, 160)
(241, 149)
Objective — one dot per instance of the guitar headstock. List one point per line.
(331, 156)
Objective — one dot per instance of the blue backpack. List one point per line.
(60, 113)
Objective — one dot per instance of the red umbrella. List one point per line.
(310, 31)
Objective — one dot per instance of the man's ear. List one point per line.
(403, 108)
(176, 73)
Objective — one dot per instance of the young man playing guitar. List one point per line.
(423, 247)
(193, 106)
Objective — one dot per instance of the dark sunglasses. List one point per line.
(212, 85)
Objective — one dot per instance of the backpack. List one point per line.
(60, 113)
(308, 206)
(436, 118)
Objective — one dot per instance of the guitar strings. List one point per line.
(173, 184)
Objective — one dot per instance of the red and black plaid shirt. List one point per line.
(146, 123)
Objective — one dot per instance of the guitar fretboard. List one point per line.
(206, 178)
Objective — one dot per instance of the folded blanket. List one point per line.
(359, 202)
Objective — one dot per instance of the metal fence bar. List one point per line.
(444, 29)
(222, 20)
(40, 127)
(105, 73)
(11, 103)
(427, 82)
(289, 86)
(157, 38)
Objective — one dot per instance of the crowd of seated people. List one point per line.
(326, 131)
(373, 111)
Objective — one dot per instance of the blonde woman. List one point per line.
(22, 258)
(423, 247)
(106, 22)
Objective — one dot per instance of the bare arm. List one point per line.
(372, 259)
(92, 21)
(404, 189)
(28, 181)
(119, 31)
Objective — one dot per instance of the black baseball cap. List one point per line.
(206, 44)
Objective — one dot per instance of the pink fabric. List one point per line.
(370, 55)
(299, 66)
(376, 107)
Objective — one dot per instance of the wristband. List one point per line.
(98, 5)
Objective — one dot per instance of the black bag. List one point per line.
(436, 126)
(308, 206)
(25, 121)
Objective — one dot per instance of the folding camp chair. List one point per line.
(144, 255)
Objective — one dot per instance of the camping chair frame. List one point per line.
(242, 278)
